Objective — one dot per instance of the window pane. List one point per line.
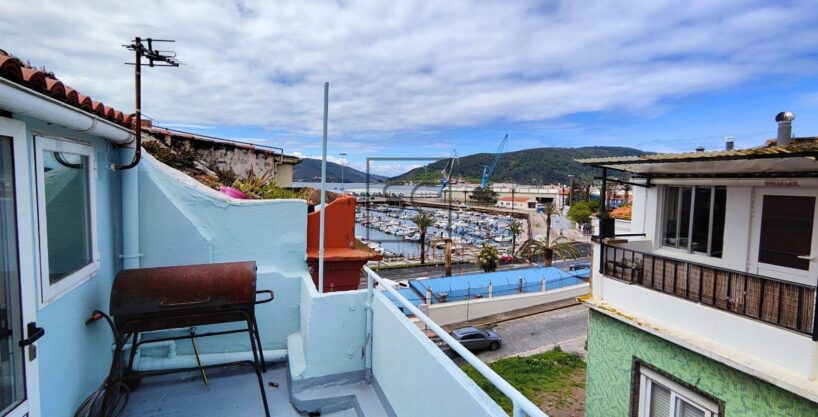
(719, 210)
(671, 211)
(12, 386)
(67, 213)
(786, 230)
(683, 409)
(659, 401)
(701, 219)
(684, 218)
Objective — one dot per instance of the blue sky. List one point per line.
(422, 78)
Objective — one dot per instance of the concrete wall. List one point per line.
(333, 330)
(414, 374)
(183, 222)
(75, 358)
(460, 311)
(613, 346)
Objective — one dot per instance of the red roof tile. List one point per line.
(14, 70)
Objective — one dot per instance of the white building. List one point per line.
(711, 311)
(517, 202)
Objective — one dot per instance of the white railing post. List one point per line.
(518, 412)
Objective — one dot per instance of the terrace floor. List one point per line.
(231, 392)
(234, 392)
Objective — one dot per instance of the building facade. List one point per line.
(707, 307)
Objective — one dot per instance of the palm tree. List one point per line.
(561, 246)
(516, 228)
(549, 210)
(423, 221)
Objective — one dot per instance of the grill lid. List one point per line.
(175, 290)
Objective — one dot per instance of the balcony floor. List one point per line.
(232, 392)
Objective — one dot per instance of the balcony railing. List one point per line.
(784, 304)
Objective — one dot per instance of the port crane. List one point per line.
(446, 173)
(489, 171)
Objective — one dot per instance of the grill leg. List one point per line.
(257, 367)
(134, 342)
(258, 343)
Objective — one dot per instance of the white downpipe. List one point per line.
(173, 361)
(130, 212)
(323, 194)
(21, 100)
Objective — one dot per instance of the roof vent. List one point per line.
(784, 120)
(700, 149)
(729, 142)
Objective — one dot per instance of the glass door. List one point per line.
(785, 242)
(12, 356)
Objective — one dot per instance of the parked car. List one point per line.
(580, 265)
(475, 339)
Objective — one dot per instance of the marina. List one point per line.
(390, 231)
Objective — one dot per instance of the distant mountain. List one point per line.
(529, 166)
(309, 170)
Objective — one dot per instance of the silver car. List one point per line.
(476, 339)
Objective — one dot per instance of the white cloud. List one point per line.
(403, 66)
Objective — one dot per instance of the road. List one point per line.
(567, 327)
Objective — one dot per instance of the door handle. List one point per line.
(807, 257)
(34, 333)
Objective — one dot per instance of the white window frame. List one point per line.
(51, 292)
(648, 378)
(660, 241)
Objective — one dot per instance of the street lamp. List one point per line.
(343, 163)
(571, 190)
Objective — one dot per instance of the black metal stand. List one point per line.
(228, 316)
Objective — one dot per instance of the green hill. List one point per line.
(529, 166)
(309, 170)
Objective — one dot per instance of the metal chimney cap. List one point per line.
(784, 116)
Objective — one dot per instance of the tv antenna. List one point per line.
(156, 58)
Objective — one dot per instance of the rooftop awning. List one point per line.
(795, 160)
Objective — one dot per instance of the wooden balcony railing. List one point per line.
(780, 303)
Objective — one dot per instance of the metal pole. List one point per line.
(323, 194)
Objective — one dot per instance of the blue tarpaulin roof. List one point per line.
(508, 282)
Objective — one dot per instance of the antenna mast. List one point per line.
(156, 58)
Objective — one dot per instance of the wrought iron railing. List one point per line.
(785, 304)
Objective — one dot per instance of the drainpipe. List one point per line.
(130, 212)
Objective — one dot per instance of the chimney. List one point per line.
(729, 142)
(700, 149)
(784, 120)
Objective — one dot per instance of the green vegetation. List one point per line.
(263, 187)
(580, 212)
(488, 259)
(548, 378)
(563, 247)
(485, 196)
(516, 228)
(529, 166)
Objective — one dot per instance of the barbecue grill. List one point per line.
(150, 299)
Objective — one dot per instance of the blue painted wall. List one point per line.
(184, 222)
(75, 358)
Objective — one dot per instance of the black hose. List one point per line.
(110, 398)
